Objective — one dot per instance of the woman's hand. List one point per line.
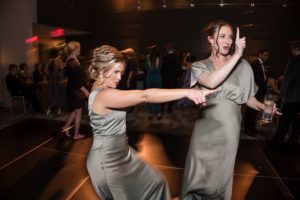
(240, 43)
(275, 110)
(198, 96)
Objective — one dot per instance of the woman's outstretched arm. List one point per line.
(114, 98)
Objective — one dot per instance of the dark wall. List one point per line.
(267, 26)
(75, 14)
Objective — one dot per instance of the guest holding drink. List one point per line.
(208, 172)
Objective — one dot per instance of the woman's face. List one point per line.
(222, 41)
(264, 56)
(77, 52)
(113, 76)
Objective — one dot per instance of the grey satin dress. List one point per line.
(209, 166)
(115, 169)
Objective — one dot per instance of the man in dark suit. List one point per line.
(260, 71)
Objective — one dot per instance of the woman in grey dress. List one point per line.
(56, 88)
(115, 169)
(208, 172)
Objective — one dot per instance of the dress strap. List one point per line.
(92, 98)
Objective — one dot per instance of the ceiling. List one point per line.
(88, 14)
(144, 5)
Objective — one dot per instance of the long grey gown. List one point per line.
(115, 169)
(208, 172)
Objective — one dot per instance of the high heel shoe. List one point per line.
(66, 131)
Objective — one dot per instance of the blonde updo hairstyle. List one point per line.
(102, 60)
(69, 48)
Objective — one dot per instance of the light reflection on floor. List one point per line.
(152, 150)
(244, 184)
(57, 169)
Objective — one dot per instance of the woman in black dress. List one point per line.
(76, 91)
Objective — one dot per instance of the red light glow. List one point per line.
(57, 32)
(31, 39)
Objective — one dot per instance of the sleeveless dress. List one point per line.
(115, 169)
(209, 166)
(75, 77)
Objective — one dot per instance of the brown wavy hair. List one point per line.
(214, 27)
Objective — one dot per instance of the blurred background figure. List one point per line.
(76, 91)
(260, 70)
(128, 80)
(153, 65)
(56, 83)
(290, 95)
(186, 78)
(13, 81)
(40, 81)
(170, 73)
(141, 72)
(38, 74)
(29, 88)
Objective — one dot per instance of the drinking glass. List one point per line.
(267, 114)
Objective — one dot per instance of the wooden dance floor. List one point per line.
(39, 162)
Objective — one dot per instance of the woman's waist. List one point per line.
(220, 107)
(223, 101)
(113, 149)
(110, 141)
